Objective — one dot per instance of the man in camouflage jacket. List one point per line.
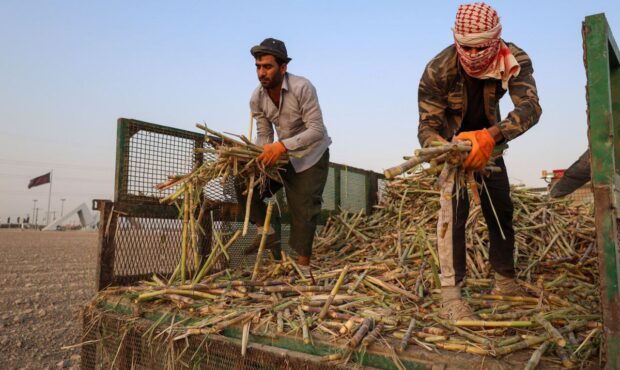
(458, 99)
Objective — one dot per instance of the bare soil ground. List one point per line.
(45, 278)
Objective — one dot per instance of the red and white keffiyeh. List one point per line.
(477, 25)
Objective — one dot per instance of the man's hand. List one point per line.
(271, 153)
(482, 144)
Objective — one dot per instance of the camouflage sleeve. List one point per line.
(524, 95)
(432, 104)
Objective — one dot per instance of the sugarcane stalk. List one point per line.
(263, 239)
(351, 229)
(508, 341)
(180, 300)
(528, 342)
(434, 330)
(553, 298)
(184, 236)
(536, 355)
(224, 324)
(434, 151)
(403, 343)
(332, 314)
(508, 315)
(280, 321)
(331, 357)
(348, 326)
(430, 338)
(463, 348)
(215, 253)
(329, 300)
(564, 357)
(245, 338)
(190, 293)
(392, 288)
(373, 335)
(473, 337)
(295, 266)
(357, 282)
(248, 205)
(506, 298)
(510, 324)
(360, 333)
(304, 325)
(392, 172)
(175, 273)
(585, 341)
(553, 332)
(192, 226)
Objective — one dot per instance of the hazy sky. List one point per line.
(69, 69)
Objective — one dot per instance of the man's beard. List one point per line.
(270, 84)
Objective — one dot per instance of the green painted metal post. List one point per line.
(601, 59)
(122, 159)
(337, 189)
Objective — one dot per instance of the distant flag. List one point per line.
(43, 179)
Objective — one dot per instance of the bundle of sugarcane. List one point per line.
(224, 159)
(376, 281)
(437, 155)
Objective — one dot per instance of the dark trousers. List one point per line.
(501, 250)
(304, 196)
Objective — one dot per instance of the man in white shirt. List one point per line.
(289, 104)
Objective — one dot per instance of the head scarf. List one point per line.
(477, 25)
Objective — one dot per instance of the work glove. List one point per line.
(482, 144)
(271, 153)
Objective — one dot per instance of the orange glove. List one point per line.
(271, 153)
(482, 144)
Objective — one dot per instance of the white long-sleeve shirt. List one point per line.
(298, 121)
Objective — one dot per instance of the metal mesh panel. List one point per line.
(580, 196)
(121, 342)
(152, 158)
(583, 194)
(151, 153)
(146, 246)
(329, 193)
(237, 258)
(352, 190)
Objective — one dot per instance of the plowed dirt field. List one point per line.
(45, 277)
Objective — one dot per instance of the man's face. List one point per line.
(269, 73)
(473, 50)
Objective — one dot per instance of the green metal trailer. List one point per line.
(139, 236)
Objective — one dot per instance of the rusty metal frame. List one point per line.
(602, 62)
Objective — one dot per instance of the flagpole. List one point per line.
(49, 198)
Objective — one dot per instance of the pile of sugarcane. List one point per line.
(375, 282)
